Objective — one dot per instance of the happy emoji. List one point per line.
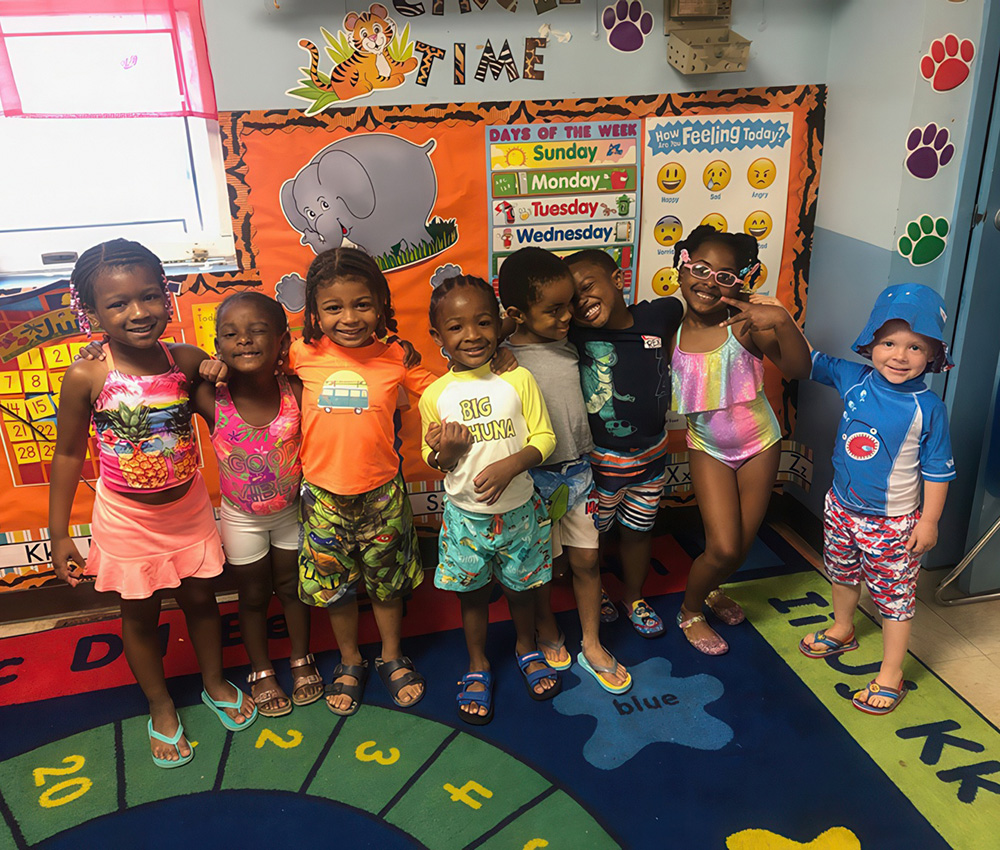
(716, 220)
(760, 174)
(668, 230)
(671, 178)
(758, 225)
(665, 281)
(717, 175)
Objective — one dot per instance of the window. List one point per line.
(108, 127)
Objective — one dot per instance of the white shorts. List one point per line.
(577, 527)
(249, 537)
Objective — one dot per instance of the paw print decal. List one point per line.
(946, 66)
(929, 150)
(627, 24)
(925, 240)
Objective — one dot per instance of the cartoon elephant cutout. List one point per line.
(372, 190)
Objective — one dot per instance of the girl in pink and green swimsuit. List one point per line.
(734, 442)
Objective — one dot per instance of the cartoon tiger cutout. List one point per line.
(370, 66)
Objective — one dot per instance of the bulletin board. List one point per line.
(436, 217)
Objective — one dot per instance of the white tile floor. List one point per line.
(960, 643)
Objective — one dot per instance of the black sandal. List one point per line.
(355, 692)
(394, 686)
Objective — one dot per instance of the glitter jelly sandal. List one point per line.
(709, 646)
(726, 609)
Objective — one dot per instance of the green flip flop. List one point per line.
(174, 741)
(220, 706)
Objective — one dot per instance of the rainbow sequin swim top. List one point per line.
(259, 467)
(143, 426)
(714, 380)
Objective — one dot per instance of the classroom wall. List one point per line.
(867, 53)
(255, 54)
(875, 97)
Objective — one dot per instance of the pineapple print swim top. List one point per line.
(143, 424)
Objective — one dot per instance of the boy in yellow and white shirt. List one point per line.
(485, 432)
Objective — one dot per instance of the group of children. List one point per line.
(549, 428)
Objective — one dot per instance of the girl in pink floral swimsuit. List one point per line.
(256, 431)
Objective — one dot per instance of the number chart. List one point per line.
(29, 398)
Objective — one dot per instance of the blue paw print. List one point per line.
(627, 24)
(658, 708)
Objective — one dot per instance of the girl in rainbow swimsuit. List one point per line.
(734, 442)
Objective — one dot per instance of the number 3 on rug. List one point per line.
(362, 754)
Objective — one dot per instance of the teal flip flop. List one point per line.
(173, 741)
(598, 672)
(219, 707)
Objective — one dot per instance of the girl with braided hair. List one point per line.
(357, 526)
(152, 528)
(733, 438)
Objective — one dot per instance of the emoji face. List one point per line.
(668, 230)
(671, 178)
(717, 175)
(716, 220)
(758, 225)
(524, 212)
(665, 281)
(760, 174)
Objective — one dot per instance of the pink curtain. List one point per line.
(181, 18)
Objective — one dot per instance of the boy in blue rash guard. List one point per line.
(893, 439)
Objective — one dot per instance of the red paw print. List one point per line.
(947, 65)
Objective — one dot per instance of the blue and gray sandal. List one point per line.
(476, 698)
(174, 741)
(220, 706)
(831, 646)
(532, 679)
(644, 619)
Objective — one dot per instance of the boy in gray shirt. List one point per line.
(537, 289)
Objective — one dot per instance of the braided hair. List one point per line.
(346, 263)
(459, 282)
(743, 245)
(115, 254)
(267, 305)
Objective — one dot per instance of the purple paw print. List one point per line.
(627, 24)
(929, 150)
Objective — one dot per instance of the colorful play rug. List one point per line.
(757, 749)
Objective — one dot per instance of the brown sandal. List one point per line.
(266, 699)
(302, 682)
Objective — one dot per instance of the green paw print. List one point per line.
(925, 240)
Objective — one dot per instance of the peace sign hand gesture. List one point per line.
(756, 318)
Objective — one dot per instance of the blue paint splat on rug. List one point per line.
(659, 708)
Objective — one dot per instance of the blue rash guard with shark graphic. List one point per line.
(890, 437)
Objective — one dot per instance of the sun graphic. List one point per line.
(515, 157)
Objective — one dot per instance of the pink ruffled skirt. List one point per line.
(137, 549)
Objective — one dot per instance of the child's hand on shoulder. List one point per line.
(767, 300)
(503, 361)
(93, 350)
(213, 371)
(494, 479)
(924, 537)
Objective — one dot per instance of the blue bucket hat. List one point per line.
(917, 305)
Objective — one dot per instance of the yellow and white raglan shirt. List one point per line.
(505, 413)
